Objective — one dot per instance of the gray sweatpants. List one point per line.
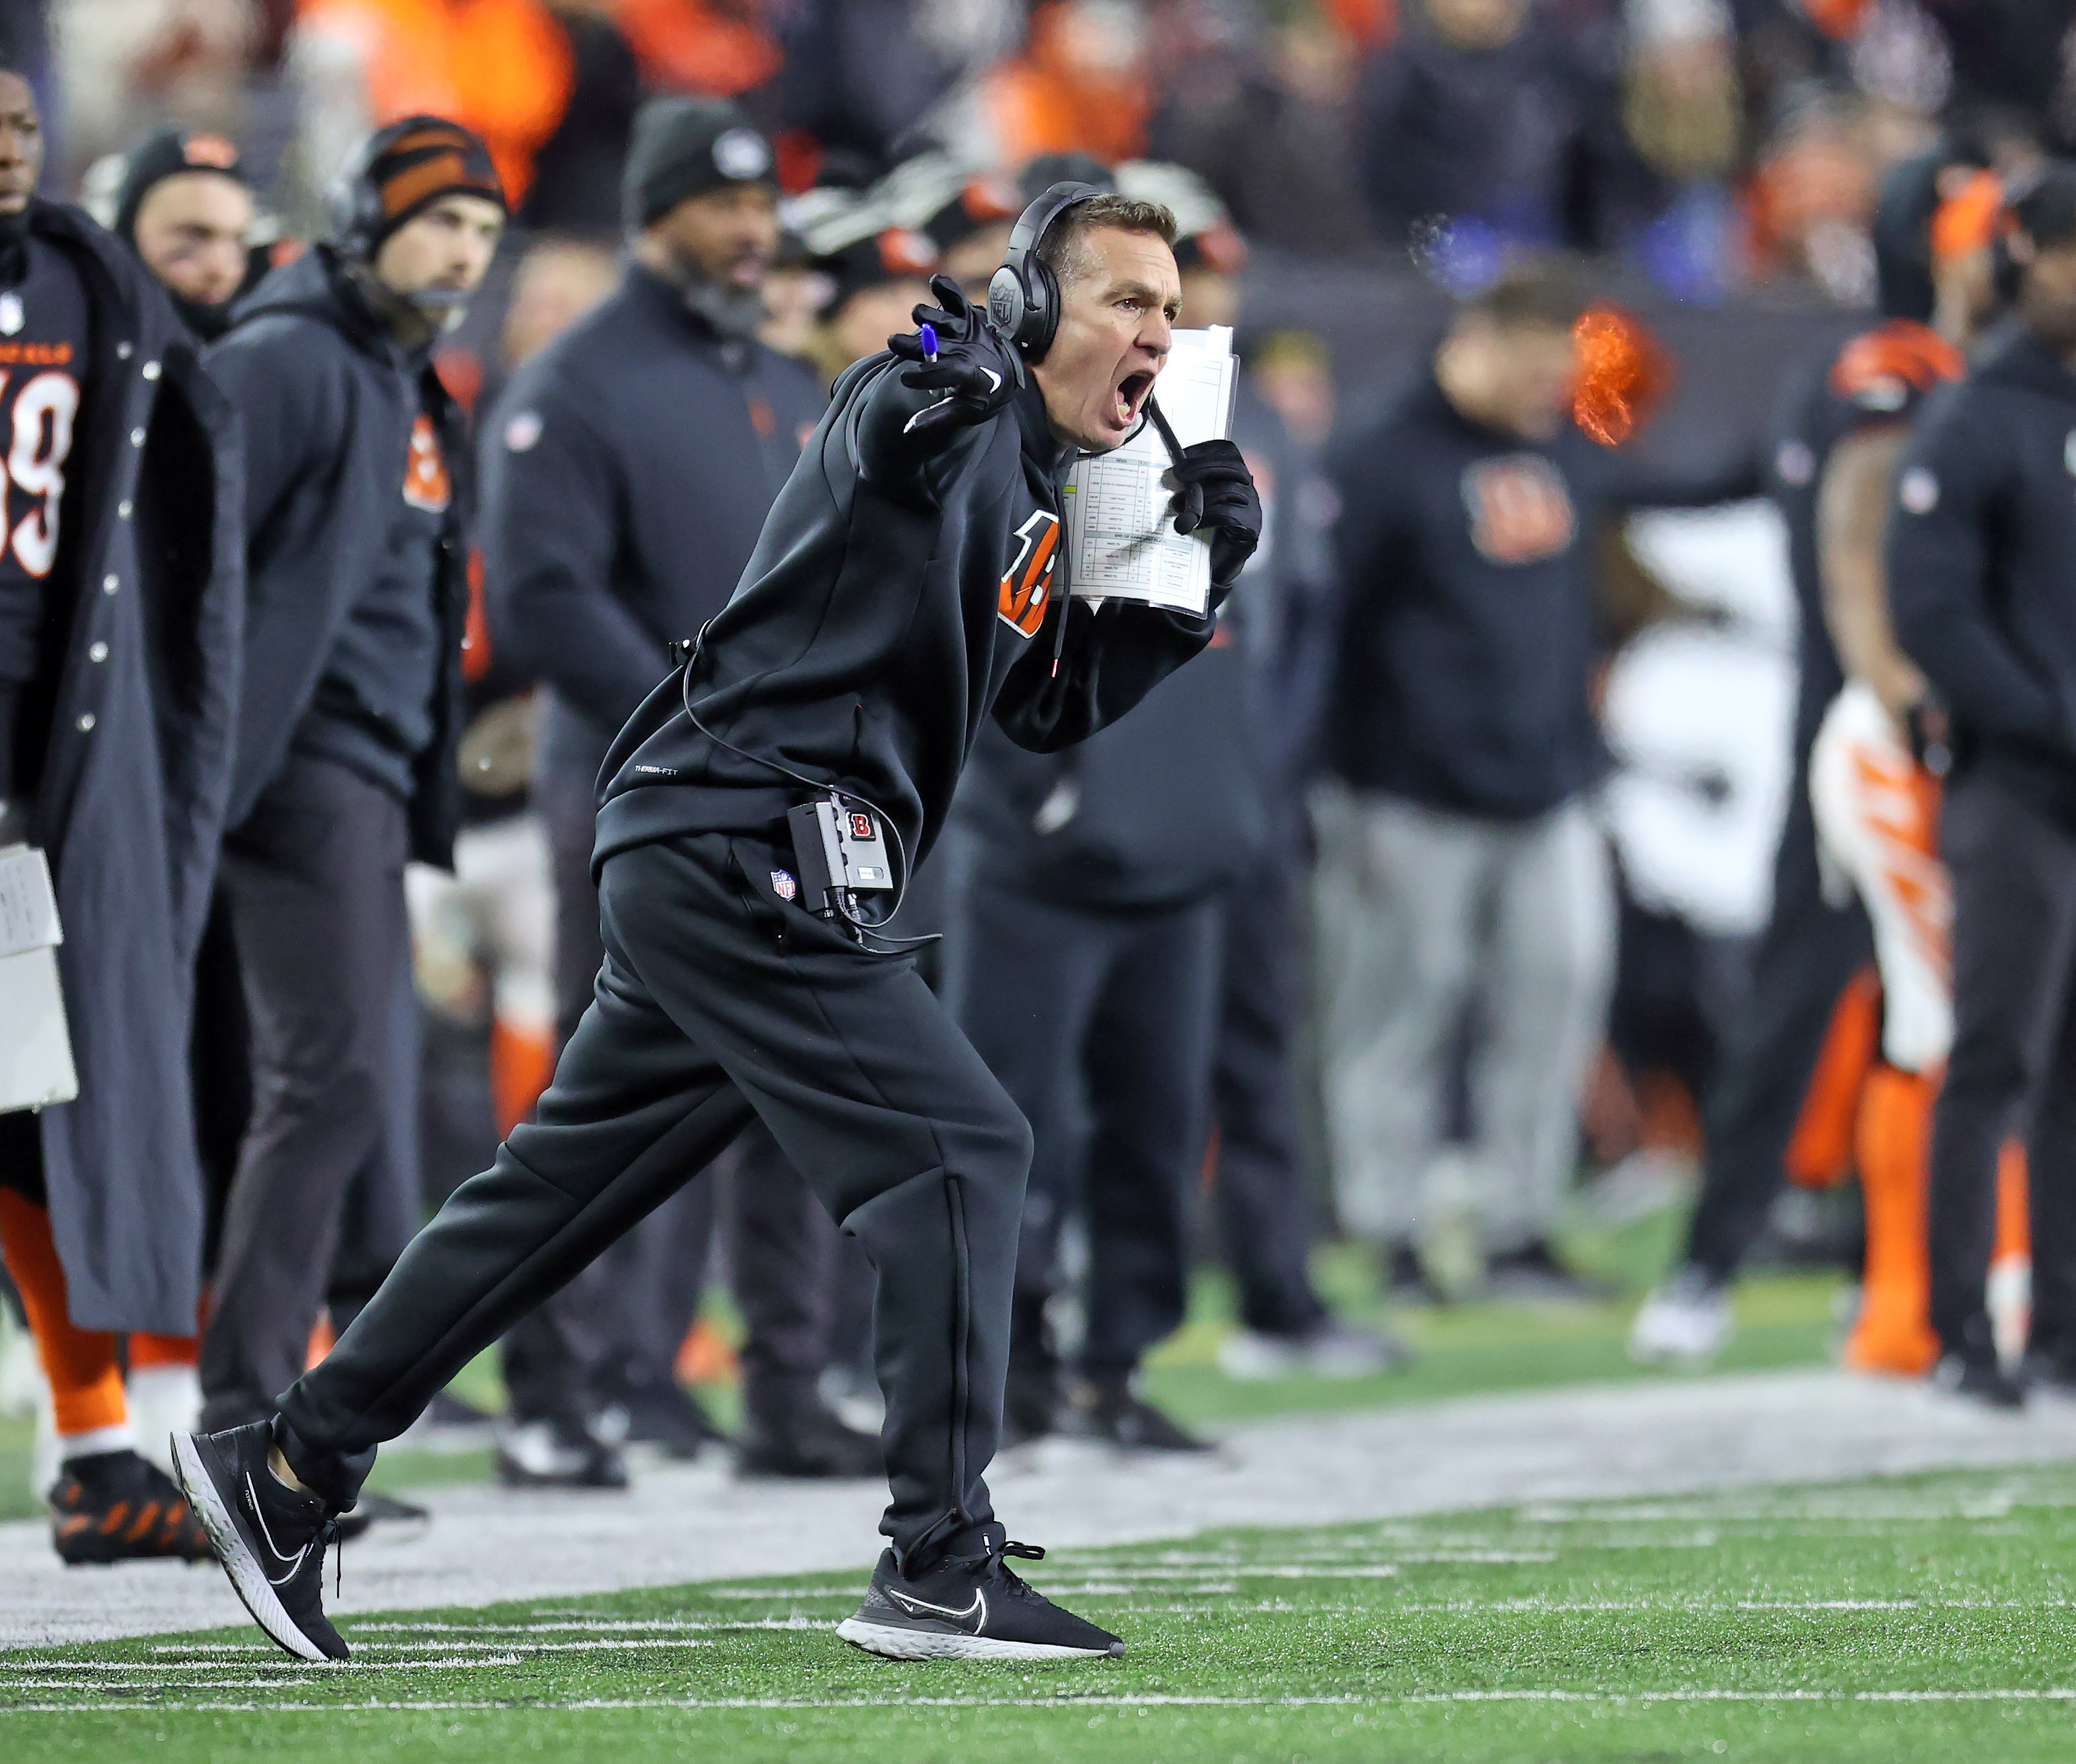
(1421, 911)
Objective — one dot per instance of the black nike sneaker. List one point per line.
(970, 1607)
(115, 1506)
(271, 1538)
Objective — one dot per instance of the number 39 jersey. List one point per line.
(43, 353)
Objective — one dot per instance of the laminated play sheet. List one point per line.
(1121, 539)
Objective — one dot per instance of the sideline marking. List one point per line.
(1411, 1699)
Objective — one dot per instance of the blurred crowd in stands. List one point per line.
(1714, 144)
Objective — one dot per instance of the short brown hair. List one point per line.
(1061, 250)
(1542, 290)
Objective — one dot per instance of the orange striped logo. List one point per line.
(1027, 584)
(1881, 368)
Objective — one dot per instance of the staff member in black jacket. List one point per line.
(627, 471)
(344, 764)
(1461, 723)
(1980, 584)
(903, 590)
(119, 596)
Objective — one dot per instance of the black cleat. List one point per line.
(1532, 1274)
(809, 1441)
(662, 1414)
(557, 1454)
(1980, 1379)
(1112, 1412)
(115, 1506)
(271, 1538)
(970, 1607)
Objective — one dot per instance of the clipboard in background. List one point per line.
(1121, 539)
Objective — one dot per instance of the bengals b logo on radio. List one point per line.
(425, 483)
(1026, 585)
(1520, 510)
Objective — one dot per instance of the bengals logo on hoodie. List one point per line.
(1027, 584)
(426, 485)
(1520, 510)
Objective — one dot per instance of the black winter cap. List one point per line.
(168, 153)
(685, 147)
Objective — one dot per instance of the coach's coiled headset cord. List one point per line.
(863, 927)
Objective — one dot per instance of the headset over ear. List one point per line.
(1023, 298)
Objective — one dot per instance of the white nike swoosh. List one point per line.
(974, 1617)
(259, 1519)
(994, 379)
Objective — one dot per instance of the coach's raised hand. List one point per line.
(976, 367)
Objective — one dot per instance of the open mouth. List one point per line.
(1132, 395)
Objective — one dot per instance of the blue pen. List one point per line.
(929, 342)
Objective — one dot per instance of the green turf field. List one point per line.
(1926, 1618)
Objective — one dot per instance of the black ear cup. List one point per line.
(1006, 303)
(1023, 297)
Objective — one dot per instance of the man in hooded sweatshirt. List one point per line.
(344, 764)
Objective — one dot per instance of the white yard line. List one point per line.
(1068, 1703)
(1652, 1439)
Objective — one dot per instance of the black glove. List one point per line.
(1215, 491)
(976, 364)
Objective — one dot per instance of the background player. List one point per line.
(1874, 792)
(115, 762)
(1811, 948)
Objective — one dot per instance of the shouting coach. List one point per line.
(903, 588)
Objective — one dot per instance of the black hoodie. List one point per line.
(1981, 567)
(330, 403)
(891, 602)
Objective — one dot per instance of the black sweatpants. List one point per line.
(1109, 1016)
(626, 1314)
(1264, 1213)
(2013, 1066)
(315, 883)
(718, 1001)
(1808, 954)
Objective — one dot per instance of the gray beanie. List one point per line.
(685, 147)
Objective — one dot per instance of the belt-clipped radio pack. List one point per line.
(841, 852)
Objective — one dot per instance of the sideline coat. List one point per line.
(132, 806)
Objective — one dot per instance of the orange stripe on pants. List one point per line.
(86, 1383)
